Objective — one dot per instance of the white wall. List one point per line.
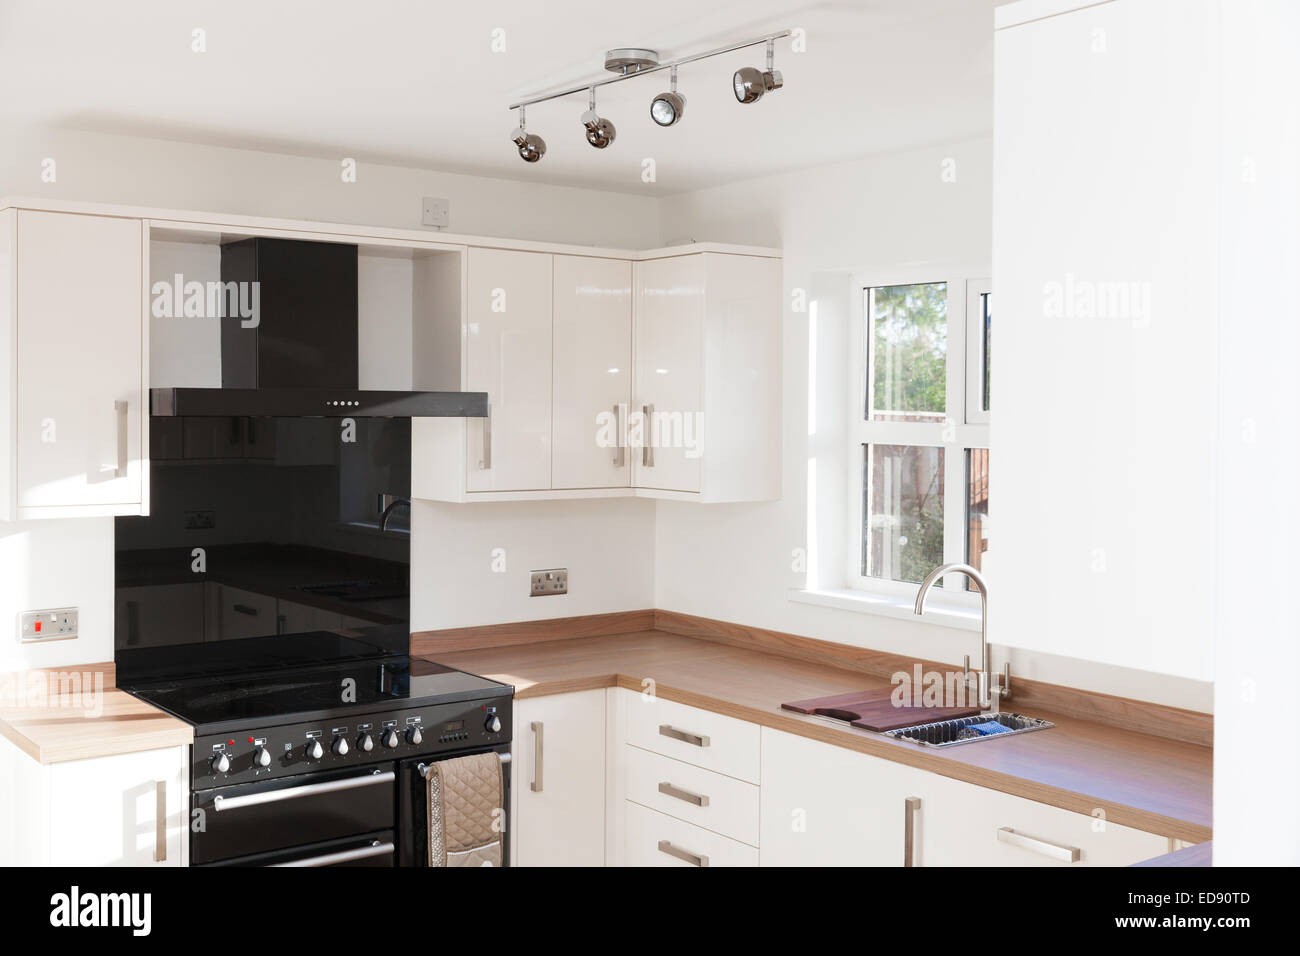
(834, 224)
(96, 167)
(56, 563)
(470, 563)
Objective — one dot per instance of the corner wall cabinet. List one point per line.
(72, 346)
(656, 377)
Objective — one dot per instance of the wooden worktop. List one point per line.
(1155, 784)
(76, 724)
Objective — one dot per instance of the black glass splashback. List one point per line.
(263, 546)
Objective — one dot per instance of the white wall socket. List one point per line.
(436, 212)
(53, 624)
(546, 583)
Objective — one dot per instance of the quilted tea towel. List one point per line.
(465, 798)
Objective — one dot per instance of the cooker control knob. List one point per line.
(340, 746)
(315, 750)
(262, 757)
(366, 743)
(390, 737)
(414, 736)
(220, 762)
(493, 724)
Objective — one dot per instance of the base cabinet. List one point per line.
(823, 805)
(122, 810)
(557, 791)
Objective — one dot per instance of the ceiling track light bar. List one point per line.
(670, 64)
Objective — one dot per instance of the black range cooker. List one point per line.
(324, 765)
(265, 597)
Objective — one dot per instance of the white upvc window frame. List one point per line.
(959, 431)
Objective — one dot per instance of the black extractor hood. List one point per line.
(291, 348)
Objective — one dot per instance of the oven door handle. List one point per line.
(220, 803)
(343, 856)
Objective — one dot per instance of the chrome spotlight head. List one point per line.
(749, 84)
(531, 146)
(667, 108)
(600, 132)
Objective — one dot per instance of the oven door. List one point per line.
(413, 810)
(302, 813)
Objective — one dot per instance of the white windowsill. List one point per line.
(890, 605)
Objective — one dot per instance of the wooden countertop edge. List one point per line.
(140, 727)
(914, 757)
(112, 743)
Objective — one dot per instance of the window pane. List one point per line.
(986, 308)
(908, 345)
(977, 510)
(902, 537)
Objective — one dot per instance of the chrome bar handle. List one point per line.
(1005, 690)
(343, 856)
(686, 737)
(620, 450)
(647, 445)
(910, 806)
(485, 462)
(220, 803)
(1066, 854)
(538, 755)
(698, 799)
(118, 468)
(424, 768)
(694, 859)
(160, 822)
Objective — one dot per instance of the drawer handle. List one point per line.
(686, 737)
(1066, 854)
(668, 790)
(246, 609)
(694, 859)
(485, 461)
(910, 807)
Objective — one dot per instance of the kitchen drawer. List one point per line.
(959, 825)
(695, 736)
(656, 839)
(711, 800)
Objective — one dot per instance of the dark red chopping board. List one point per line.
(875, 710)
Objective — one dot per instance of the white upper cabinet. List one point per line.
(509, 357)
(678, 358)
(72, 325)
(592, 386)
(708, 376)
(670, 372)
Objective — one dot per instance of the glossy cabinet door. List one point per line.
(822, 805)
(593, 375)
(558, 780)
(669, 372)
(509, 357)
(965, 825)
(79, 365)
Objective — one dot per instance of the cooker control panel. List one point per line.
(334, 743)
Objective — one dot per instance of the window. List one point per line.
(920, 433)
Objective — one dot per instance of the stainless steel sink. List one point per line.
(950, 733)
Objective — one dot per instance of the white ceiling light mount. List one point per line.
(666, 109)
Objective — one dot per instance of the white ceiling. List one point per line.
(413, 82)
